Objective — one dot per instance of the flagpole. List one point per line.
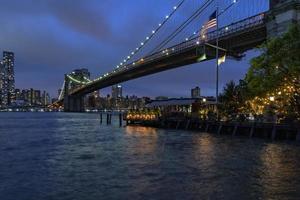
(217, 60)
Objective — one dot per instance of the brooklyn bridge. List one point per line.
(212, 40)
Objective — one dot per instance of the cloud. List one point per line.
(82, 17)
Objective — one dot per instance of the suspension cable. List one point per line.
(62, 91)
(154, 32)
(182, 26)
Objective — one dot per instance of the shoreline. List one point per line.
(262, 130)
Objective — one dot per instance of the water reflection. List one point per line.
(141, 141)
(205, 150)
(140, 131)
(280, 165)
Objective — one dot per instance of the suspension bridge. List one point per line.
(227, 29)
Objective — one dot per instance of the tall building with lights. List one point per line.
(7, 82)
(2, 83)
(116, 91)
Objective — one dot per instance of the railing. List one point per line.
(190, 44)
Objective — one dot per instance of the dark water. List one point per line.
(57, 156)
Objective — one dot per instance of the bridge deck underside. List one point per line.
(235, 43)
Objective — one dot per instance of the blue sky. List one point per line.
(53, 37)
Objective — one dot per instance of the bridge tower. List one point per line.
(282, 14)
(72, 103)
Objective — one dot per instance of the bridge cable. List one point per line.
(167, 18)
(62, 91)
(182, 26)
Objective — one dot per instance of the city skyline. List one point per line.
(53, 43)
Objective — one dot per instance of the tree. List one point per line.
(232, 100)
(276, 72)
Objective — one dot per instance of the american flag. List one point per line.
(212, 22)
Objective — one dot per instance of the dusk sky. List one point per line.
(53, 37)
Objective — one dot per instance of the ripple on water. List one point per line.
(70, 156)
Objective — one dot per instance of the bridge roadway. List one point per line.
(235, 38)
(233, 41)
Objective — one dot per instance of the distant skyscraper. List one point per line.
(196, 92)
(2, 81)
(45, 98)
(116, 91)
(7, 82)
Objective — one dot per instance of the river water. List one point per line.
(60, 156)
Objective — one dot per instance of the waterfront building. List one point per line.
(18, 94)
(196, 92)
(116, 91)
(161, 98)
(37, 97)
(1, 83)
(196, 107)
(45, 99)
(7, 82)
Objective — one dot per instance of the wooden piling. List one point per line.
(120, 119)
(298, 135)
(178, 124)
(252, 130)
(207, 127)
(220, 128)
(235, 129)
(101, 118)
(187, 124)
(274, 130)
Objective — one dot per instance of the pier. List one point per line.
(272, 131)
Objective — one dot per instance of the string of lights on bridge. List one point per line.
(153, 33)
(148, 38)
